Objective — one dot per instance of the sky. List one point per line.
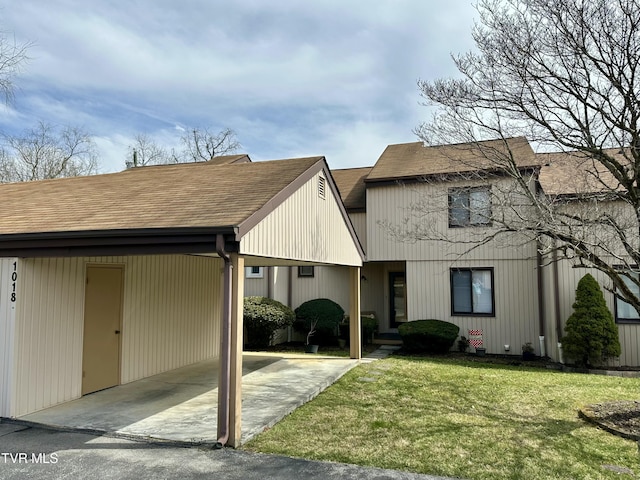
(291, 78)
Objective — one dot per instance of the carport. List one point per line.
(160, 234)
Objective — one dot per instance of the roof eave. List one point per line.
(139, 241)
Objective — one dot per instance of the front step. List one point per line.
(387, 339)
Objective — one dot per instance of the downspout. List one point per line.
(541, 304)
(556, 300)
(225, 354)
(290, 300)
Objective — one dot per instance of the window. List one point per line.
(253, 272)
(472, 291)
(625, 313)
(306, 271)
(469, 206)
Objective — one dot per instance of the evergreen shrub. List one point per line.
(428, 336)
(591, 335)
(263, 317)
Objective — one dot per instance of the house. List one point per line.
(502, 290)
(112, 278)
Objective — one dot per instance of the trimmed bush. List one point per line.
(325, 313)
(263, 317)
(428, 336)
(591, 335)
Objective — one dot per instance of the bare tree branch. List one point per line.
(45, 152)
(563, 73)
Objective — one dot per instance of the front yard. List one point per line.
(454, 417)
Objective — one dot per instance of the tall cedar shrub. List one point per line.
(263, 317)
(591, 335)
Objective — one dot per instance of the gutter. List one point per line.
(225, 354)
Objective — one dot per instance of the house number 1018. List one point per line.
(14, 278)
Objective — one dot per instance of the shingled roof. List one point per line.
(156, 197)
(350, 183)
(414, 160)
(575, 173)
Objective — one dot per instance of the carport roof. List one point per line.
(165, 196)
(157, 207)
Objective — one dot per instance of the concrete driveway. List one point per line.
(180, 406)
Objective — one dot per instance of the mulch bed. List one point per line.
(620, 418)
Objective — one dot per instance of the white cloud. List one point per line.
(325, 76)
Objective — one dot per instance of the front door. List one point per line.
(102, 324)
(397, 299)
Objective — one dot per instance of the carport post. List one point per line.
(355, 346)
(235, 385)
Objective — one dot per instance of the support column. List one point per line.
(355, 346)
(235, 386)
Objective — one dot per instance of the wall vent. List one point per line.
(321, 186)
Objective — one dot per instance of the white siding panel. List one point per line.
(257, 286)
(359, 222)
(391, 204)
(304, 227)
(516, 308)
(171, 318)
(327, 282)
(8, 279)
(171, 313)
(48, 335)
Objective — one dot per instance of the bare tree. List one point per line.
(46, 152)
(201, 144)
(566, 75)
(198, 145)
(12, 57)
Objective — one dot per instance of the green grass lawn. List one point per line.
(459, 418)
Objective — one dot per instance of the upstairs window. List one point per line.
(470, 206)
(472, 291)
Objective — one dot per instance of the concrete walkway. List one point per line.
(180, 406)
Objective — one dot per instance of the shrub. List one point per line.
(325, 314)
(369, 327)
(263, 317)
(591, 335)
(428, 336)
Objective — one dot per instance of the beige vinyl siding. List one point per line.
(315, 230)
(48, 337)
(171, 318)
(7, 332)
(391, 204)
(171, 313)
(515, 292)
(327, 282)
(568, 278)
(256, 286)
(359, 222)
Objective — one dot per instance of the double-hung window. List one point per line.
(472, 291)
(625, 313)
(254, 272)
(469, 206)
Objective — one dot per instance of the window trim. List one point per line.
(301, 274)
(468, 190)
(620, 320)
(248, 272)
(493, 292)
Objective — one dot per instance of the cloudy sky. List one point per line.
(292, 78)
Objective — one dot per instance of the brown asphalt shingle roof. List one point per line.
(229, 159)
(573, 173)
(412, 160)
(350, 182)
(167, 196)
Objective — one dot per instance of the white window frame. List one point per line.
(254, 272)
